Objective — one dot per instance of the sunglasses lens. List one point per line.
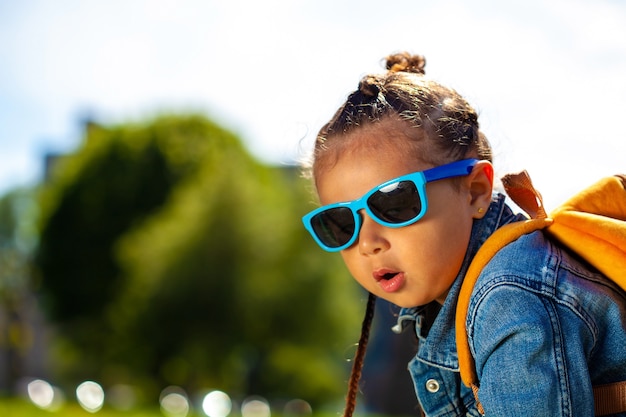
(334, 227)
(396, 203)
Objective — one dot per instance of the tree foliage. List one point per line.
(17, 237)
(168, 255)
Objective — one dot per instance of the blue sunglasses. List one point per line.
(396, 203)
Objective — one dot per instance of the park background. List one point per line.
(151, 195)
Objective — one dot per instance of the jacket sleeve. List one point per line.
(530, 354)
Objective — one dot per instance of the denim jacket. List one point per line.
(543, 328)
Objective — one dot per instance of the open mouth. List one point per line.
(384, 274)
(389, 281)
(389, 275)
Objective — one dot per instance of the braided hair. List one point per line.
(359, 357)
(448, 125)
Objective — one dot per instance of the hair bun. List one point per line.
(369, 86)
(404, 61)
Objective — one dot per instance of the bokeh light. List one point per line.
(40, 393)
(174, 402)
(217, 404)
(255, 407)
(44, 395)
(90, 396)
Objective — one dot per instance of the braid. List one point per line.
(359, 357)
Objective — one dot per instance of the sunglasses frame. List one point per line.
(419, 179)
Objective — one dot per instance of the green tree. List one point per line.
(169, 255)
(17, 238)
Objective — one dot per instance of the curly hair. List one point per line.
(448, 125)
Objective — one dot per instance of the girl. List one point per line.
(405, 179)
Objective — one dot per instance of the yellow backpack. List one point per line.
(592, 224)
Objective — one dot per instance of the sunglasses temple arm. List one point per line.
(454, 169)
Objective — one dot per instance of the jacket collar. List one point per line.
(435, 324)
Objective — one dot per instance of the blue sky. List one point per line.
(548, 78)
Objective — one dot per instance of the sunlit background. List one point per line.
(547, 77)
(152, 107)
(173, 401)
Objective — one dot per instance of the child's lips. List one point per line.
(389, 280)
(383, 274)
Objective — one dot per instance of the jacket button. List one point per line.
(432, 385)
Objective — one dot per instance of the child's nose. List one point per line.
(372, 238)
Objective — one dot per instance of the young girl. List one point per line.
(405, 180)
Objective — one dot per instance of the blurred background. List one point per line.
(151, 191)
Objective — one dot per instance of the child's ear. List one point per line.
(480, 186)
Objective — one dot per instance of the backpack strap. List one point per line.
(499, 239)
(610, 398)
(519, 187)
(590, 222)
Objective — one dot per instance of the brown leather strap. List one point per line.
(610, 398)
(520, 189)
(479, 405)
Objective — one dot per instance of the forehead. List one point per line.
(365, 159)
(388, 136)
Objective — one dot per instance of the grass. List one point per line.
(17, 407)
(13, 407)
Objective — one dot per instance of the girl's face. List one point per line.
(412, 265)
